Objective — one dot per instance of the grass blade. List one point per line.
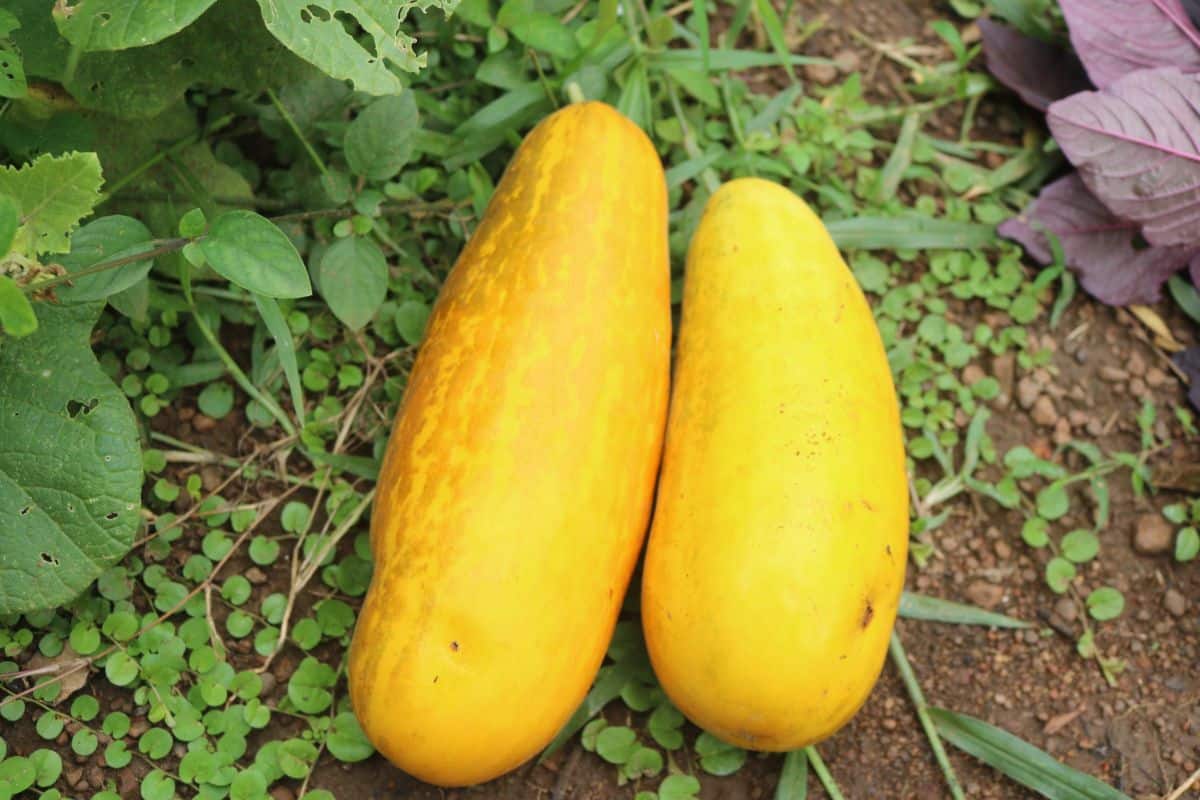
(502, 112)
(793, 780)
(766, 119)
(285, 347)
(1019, 760)
(193, 374)
(634, 101)
(724, 60)
(361, 466)
(908, 233)
(770, 21)
(701, 11)
(900, 659)
(741, 13)
(687, 170)
(900, 159)
(818, 765)
(935, 609)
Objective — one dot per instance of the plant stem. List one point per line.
(240, 377)
(167, 246)
(900, 659)
(547, 87)
(574, 93)
(818, 765)
(291, 123)
(178, 146)
(1182, 790)
(209, 457)
(171, 245)
(711, 181)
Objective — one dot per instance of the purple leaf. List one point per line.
(1116, 37)
(1098, 246)
(1137, 146)
(1039, 72)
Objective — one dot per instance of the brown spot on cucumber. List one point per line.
(868, 615)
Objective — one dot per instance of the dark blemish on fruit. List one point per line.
(868, 615)
(867, 504)
(454, 646)
(435, 677)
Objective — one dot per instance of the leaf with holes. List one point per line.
(70, 465)
(248, 58)
(117, 24)
(12, 68)
(53, 193)
(316, 31)
(1135, 146)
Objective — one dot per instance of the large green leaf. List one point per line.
(353, 276)
(227, 46)
(16, 313)
(105, 239)
(315, 31)
(10, 220)
(252, 252)
(118, 24)
(12, 68)
(379, 142)
(70, 465)
(53, 194)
